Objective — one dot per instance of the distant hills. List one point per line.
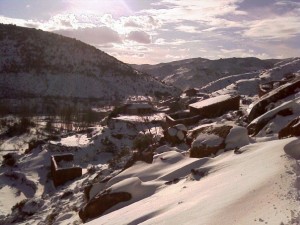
(199, 72)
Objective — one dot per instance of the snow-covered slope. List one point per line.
(254, 187)
(198, 72)
(247, 83)
(37, 63)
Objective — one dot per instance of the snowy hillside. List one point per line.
(227, 154)
(195, 73)
(35, 63)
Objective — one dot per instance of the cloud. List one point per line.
(139, 36)
(95, 35)
(187, 29)
(273, 29)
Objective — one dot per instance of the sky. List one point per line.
(156, 31)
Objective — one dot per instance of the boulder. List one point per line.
(291, 130)
(144, 156)
(209, 140)
(216, 106)
(213, 138)
(285, 109)
(191, 92)
(237, 137)
(102, 202)
(176, 134)
(261, 106)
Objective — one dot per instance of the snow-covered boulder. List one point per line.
(145, 156)
(100, 203)
(284, 110)
(212, 139)
(237, 137)
(176, 134)
(216, 106)
(261, 106)
(209, 140)
(292, 129)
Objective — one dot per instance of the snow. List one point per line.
(199, 72)
(237, 137)
(256, 184)
(249, 188)
(12, 196)
(209, 140)
(74, 140)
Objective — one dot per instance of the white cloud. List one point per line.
(165, 30)
(139, 36)
(276, 28)
(95, 35)
(187, 29)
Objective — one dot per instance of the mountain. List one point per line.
(38, 64)
(247, 170)
(197, 72)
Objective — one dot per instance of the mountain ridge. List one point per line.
(197, 72)
(44, 64)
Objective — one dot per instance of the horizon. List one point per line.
(161, 31)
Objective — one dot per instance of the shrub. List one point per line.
(20, 128)
(19, 205)
(143, 141)
(9, 159)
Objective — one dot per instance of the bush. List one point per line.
(9, 159)
(20, 128)
(142, 142)
(49, 126)
(19, 205)
(120, 158)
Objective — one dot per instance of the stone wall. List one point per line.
(62, 175)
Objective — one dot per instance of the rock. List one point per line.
(34, 144)
(214, 107)
(210, 139)
(176, 134)
(291, 130)
(261, 106)
(102, 202)
(285, 109)
(191, 92)
(145, 156)
(237, 137)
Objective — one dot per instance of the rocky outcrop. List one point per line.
(258, 124)
(102, 202)
(292, 129)
(281, 92)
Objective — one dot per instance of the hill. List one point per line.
(38, 64)
(197, 72)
